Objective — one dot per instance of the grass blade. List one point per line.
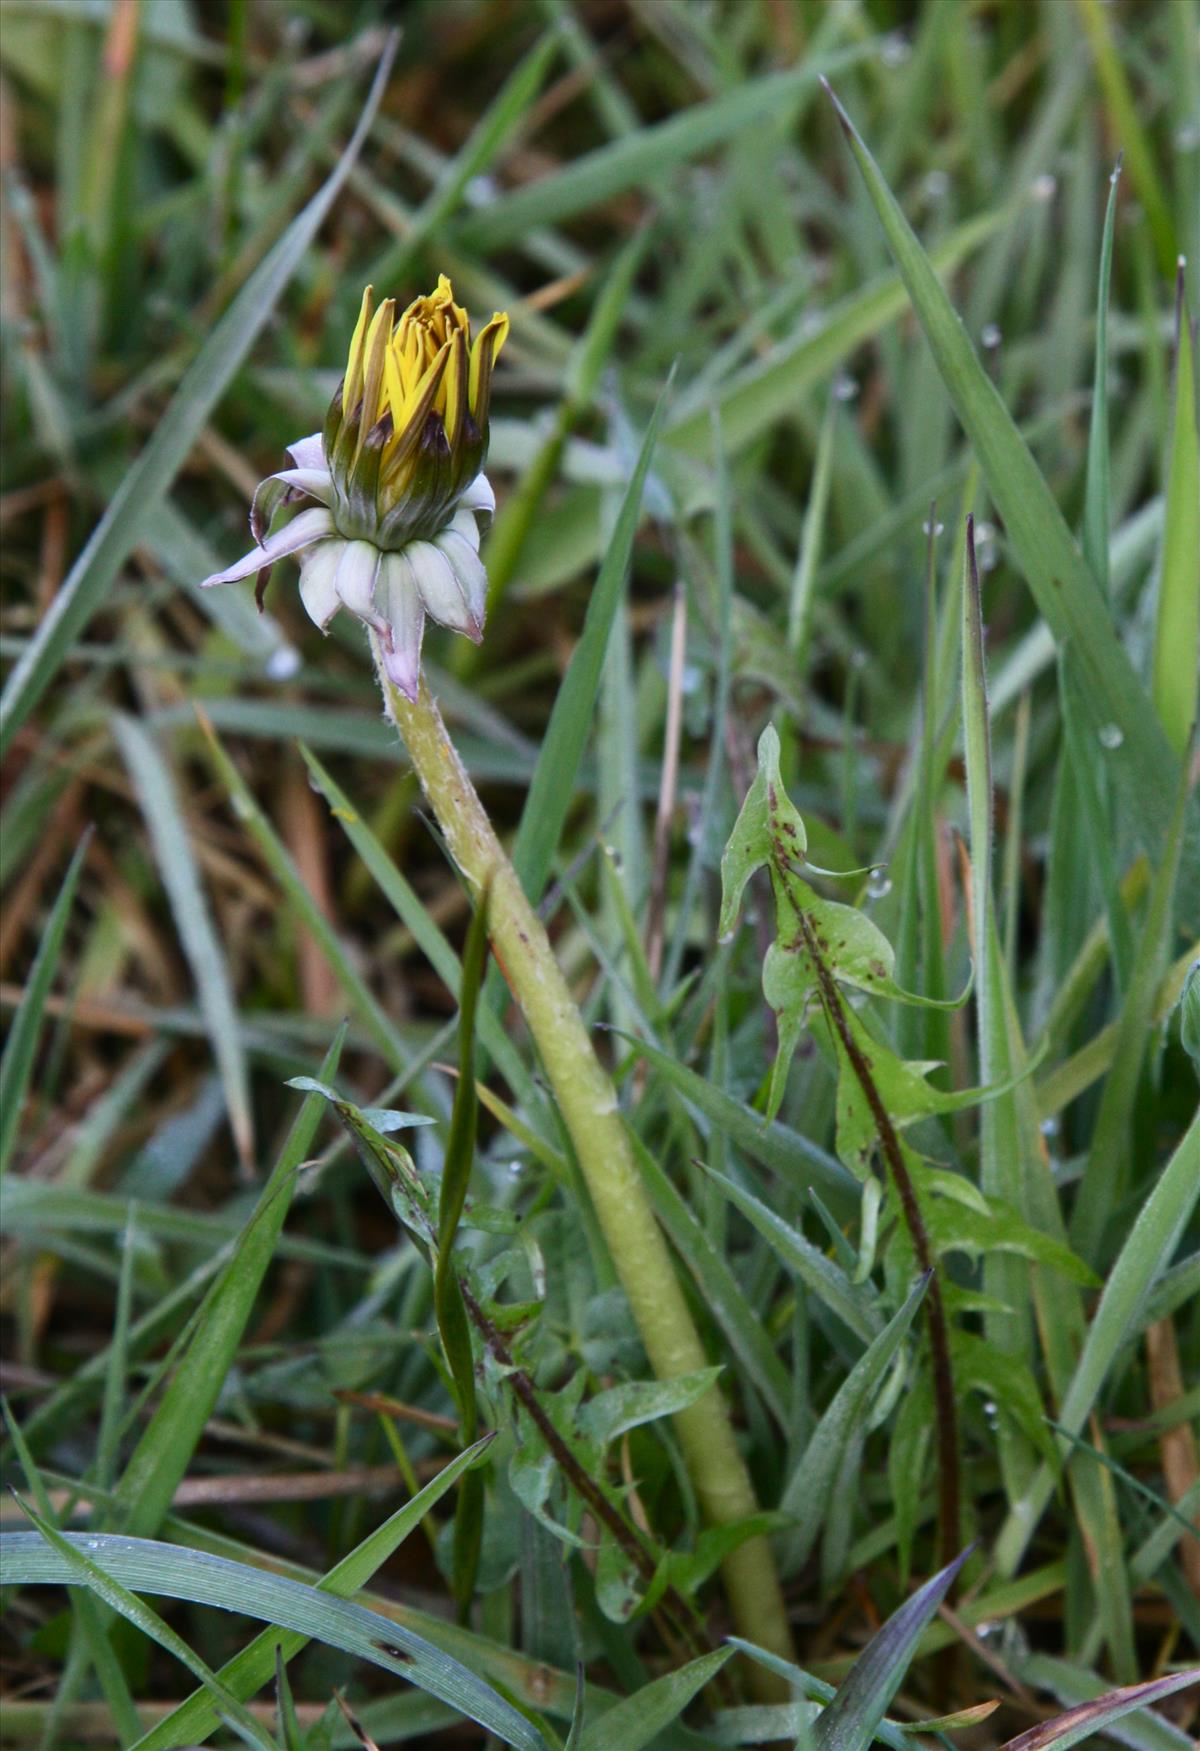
(288, 876)
(80, 1570)
(851, 1720)
(785, 1151)
(164, 1451)
(1177, 626)
(169, 836)
(1094, 1716)
(146, 1566)
(553, 784)
(195, 1717)
(1096, 515)
(453, 1327)
(1063, 588)
(809, 1489)
(147, 482)
(637, 1720)
(16, 1065)
(1142, 1260)
(641, 157)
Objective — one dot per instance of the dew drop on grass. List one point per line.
(1111, 737)
(879, 884)
(844, 386)
(283, 663)
(895, 49)
(928, 528)
(1044, 187)
(991, 335)
(936, 185)
(726, 938)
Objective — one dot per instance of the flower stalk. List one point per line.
(588, 1103)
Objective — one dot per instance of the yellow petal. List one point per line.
(456, 385)
(483, 357)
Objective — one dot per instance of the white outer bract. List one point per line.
(389, 592)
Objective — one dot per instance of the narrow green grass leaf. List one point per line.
(1065, 591)
(553, 785)
(808, 1490)
(811, 537)
(706, 826)
(166, 823)
(278, 861)
(16, 1066)
(428, 936)
(826, 1280)
(449, 1306)
(1004, 1143)
(144, 486)
(1127, 125)
(285, 1707)
(249, 1670)
(1106, 1174)
(87, 1615)
(1142, 1260)
(1100, 1712)
(723, 1295)
(1097, 490)
(767, 390)
(146, 1566)
(643, 157)
(116, 1376)
(514, 518)
(637, 1720)
(80, 1570)
(1177, 623)
(164, 1451)
(852, 1718)
(787, 1152)
(475, 157)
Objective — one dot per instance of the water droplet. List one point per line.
(879, 884)
(895, 49)
(614, 857)
(690, 679)
(991, 335)
(935, 529)
(283, 663)
(514, 1168)
(1111, 737)
(987, 555)
(1051, 1127)
(844, 386)
(1187, 137)
(726, 938)
(936, 185)
(1044, 187)
(91, 1543)
(481, 189)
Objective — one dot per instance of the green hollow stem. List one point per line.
(588, 1102)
